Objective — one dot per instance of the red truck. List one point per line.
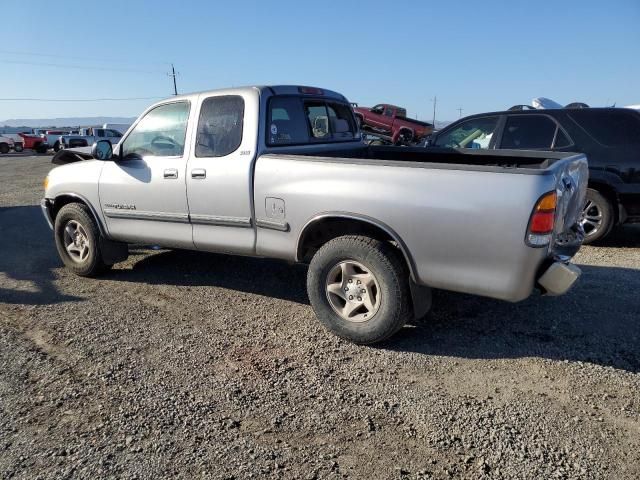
(34, 142)
(391, 123)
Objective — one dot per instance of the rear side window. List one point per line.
(528, 132)
(294, 121)
(220, 126)
(610, 128)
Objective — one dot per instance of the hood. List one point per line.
(71, 155)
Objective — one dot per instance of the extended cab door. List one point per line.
(143, 193)
(219, 173)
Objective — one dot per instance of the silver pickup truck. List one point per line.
(282, 172)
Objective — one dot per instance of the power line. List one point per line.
(81, 67)
(78, 99)
(74, 57)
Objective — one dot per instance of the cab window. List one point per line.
(220, 126)
(473, 133)
(295, 121)
(160, 133)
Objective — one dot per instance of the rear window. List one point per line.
(295, 120)
(610, 128)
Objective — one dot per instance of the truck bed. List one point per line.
(463, 215)
(467, 159)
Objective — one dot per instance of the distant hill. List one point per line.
(63, 122)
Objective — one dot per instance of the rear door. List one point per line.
(219, 172)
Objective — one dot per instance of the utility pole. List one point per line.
(459, 111)
(173, 74)
(435, 100)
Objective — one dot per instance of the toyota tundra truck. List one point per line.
(281, 172)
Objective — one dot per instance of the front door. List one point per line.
(219, 174)
(143, 194)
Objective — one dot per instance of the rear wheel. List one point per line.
(4, 148)
(41, 148)
(56, 146)
(78, 240)
(359, 289)
(597, 216)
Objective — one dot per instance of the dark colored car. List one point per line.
(391, 123)
(610, 137)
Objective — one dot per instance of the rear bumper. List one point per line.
(45, 205)
(559, 277)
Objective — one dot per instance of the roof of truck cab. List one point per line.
(272, 89)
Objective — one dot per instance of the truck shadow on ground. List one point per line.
(261, 276)
(27, 258)
(596, 322)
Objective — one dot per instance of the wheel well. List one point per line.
(610, 194)
(62, 200)
(319, 232)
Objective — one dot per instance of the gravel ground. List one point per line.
(188, 365)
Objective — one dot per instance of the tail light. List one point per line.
(542, 221)
(310, 91)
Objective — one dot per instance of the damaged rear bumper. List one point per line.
(559, 277)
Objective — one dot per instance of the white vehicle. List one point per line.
(120, 127)
(6, 144)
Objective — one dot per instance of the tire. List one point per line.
(72, 218)
(404, 138)
(4, 148)
(597, 217)
(342, 262)
(56, 147)
(18, 148)
(41, 148)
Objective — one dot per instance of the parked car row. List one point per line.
(42, 140)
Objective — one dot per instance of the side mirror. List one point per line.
(102, 150)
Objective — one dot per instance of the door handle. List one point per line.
(171, 173)
(198, 173)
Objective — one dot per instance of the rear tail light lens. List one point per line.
(542, 221)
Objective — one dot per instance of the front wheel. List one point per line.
(56, 147)
(359, 289)
(78, 240)
(18, 148)
(597, 216)
(4, 148)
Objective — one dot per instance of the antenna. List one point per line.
(459, 112)
(173, 74)
(434, 100)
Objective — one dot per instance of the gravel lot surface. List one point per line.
(188, 365)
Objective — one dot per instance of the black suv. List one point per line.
(610, 138)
